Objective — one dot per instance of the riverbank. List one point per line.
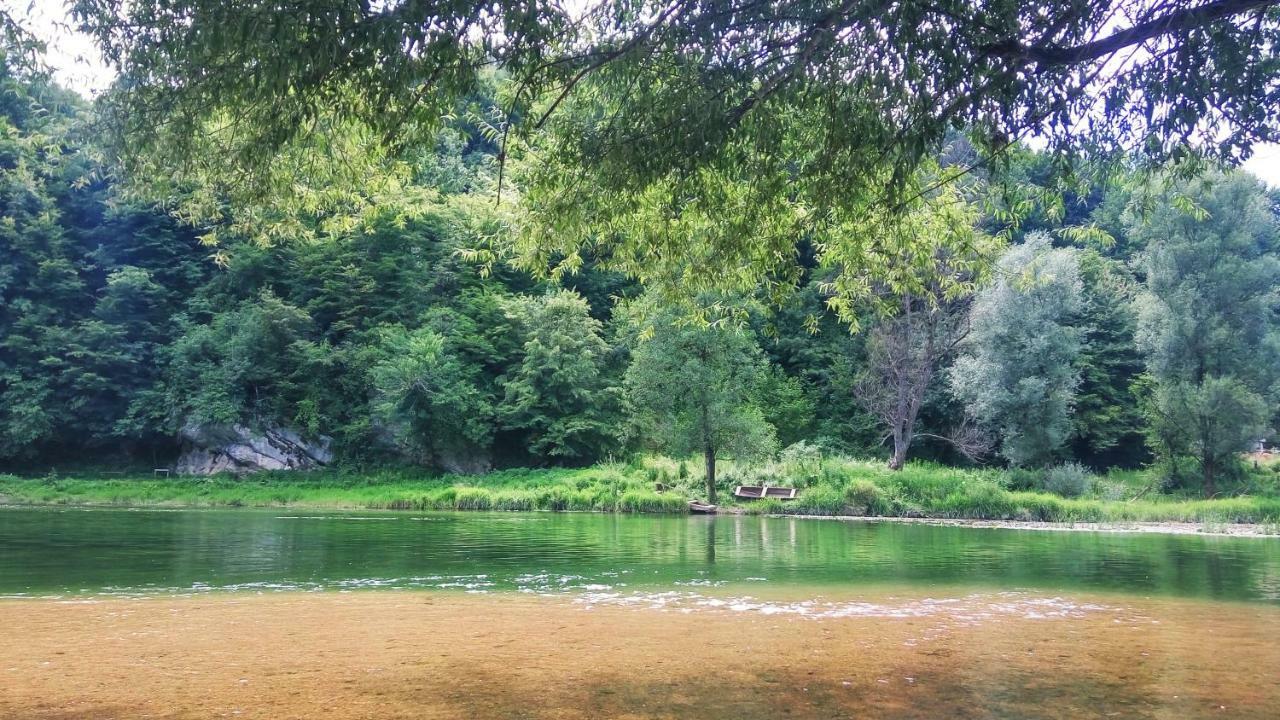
(450, 655)
(1156, 528)
(831, 488)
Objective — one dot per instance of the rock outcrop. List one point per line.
(210, 449)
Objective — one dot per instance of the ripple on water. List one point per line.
(969, 609)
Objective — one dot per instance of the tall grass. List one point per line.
(828, 486)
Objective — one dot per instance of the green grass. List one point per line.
(835, 486)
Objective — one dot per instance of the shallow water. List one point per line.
(59, 551)
(111, 613)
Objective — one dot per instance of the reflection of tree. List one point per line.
(711, 541)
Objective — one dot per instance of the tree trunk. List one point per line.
(1209, 471)
(709, 455)
(899, 452)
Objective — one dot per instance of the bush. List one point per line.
(556, 498)
(1022, 479)
(1068, 480)
(441, 499)
(983, 500)
(768, 506)
(803, 462)
(513, 500)
(640, 501)
(865, 497)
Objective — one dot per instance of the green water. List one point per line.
(47, 551)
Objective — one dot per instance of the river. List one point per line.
(592, 615)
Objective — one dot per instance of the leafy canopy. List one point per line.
(690, 144)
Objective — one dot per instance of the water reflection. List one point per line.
(51, 551)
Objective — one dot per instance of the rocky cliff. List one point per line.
(239, 449)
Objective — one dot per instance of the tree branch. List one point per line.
(1179, 21)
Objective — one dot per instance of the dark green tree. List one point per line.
(1207, 321)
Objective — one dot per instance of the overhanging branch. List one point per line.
(1175, 22)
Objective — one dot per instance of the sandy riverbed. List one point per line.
(441, 655)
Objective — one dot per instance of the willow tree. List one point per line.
(1208, 320)
(691, 143)
(1019, 374)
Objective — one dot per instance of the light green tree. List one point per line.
(429, 401)
(1017, 374)
(560, 394)
(673, 155)
(695, 389)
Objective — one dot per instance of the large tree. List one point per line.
(922, 324)
(560, 395)
(695, 389)
(1207, 321)
(1019, 374)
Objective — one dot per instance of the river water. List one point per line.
(571, 615)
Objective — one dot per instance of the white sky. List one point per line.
(78, 65)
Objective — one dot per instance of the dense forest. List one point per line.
(1133, 323)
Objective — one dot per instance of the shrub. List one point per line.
(865, 496)
(513, 500)
(982, 500)
(1068, 480)
(639, 501)
(555, 498)
(803, 462)
(585, 500)
(768, 506)
(442, 499)
(1022, 479)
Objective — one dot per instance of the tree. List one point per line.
(1018, 372)
(1207, 322)
(560, 395)
(1107, 417)
(1212, 420)
(429, 402)
(900, 75)
(253, 364)
(924, 321)
(694, 389)
(903, 354)
(660, 147)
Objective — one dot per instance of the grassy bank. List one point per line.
(829, 486)
(604, 489)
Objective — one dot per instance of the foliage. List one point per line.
(561, 394)
(1017, 374)
(1067, 480)
(694, 389)
(344, 298)
(427, 398)
(1107, 415)
(1207, 320)
(662, 148)
(848, 487)
(921, 328)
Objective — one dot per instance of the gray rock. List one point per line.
(210, 449)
